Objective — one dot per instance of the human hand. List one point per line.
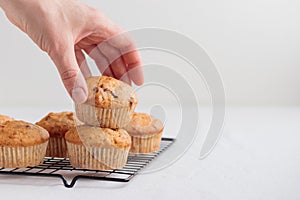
(64, 29)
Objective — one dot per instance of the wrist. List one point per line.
(16, 5)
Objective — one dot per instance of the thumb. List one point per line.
(69, 71)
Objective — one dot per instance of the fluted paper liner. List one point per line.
(18, 157)
(145, 143)
(96, 157)
(105, 118)
(57, 147)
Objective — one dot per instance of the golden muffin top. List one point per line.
(20, 133)
(107, 92)
(4, 118)
(98, 137)
(144, 124)
(57, 124)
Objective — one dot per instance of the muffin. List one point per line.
(110, 103)
(98, 148)
(146, 132)
(4, 118)
(57, 124)
(22, 144)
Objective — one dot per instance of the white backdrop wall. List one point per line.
(255, 45)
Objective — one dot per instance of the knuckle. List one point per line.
(110, 53)
(58, 43)
(56, 50)
(69, 75)
(95, 17)
(123, 42)
(69, 78)
(58, 47)
(127, 45)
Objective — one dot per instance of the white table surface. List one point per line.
(258, 157)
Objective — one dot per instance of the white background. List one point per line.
(255, 45)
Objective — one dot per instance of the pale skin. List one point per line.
(67, 28)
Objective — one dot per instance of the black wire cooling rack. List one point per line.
(61, 168)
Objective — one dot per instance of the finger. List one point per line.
(116, 37)
(134, 67)
(100, 60)
(73, 80)
(131, 57)
(82, 63)
(115, 60)
(122, 41)
(119, 69)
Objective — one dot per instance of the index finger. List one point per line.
(134, 66)
(130, 56)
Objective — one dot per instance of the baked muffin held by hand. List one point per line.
(110, 103)
(146, 132)
(22, 144)
(98, 148)
(57, 124)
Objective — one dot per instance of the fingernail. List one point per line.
(78, 95)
